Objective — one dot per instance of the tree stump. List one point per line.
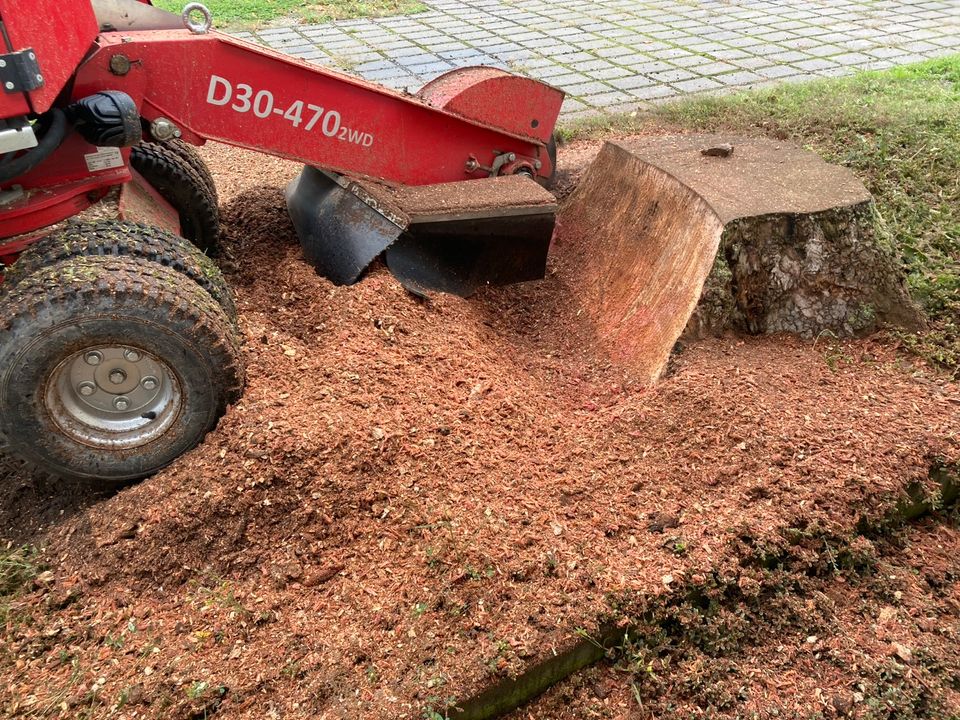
(689, 235)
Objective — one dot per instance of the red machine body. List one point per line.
(471, 123)
(59, 34)
(133, 354)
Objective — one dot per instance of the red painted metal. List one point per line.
(59, 188)
(215, 87)
(60, 33)
(141, 203)
(520, 106)
(218, 88)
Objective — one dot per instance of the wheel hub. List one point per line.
(113, 396)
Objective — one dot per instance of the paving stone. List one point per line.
(617, 51)
(573, 58)
(591, 65)
(671, 53)
(919, 46)
(823, 50)
(591, 43)
(673, 76)
(427, 68)
(313, 55)
(815, 65)
(571, 105)
(632, 82)
(777, 71)
(631, 106)
(551, 73)
(728, 54)
(594, 87)
(650, 67)
(626, 52)
(713, 68)
(515, 55)
(850, 58)
(604, 99)
(460, 54)
(569, 79)
(697, 85)
(653, 91)
(386, 74)
(689, 61)
(374, 66)
(743, 77)
(403, 82)
(610, 73)
(790, 56)
(299, 50)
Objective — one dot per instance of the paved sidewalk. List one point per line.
(617, 55)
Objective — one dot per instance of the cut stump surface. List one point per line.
(669, 241)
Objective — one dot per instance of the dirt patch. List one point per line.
(414, 498)
(874, 635)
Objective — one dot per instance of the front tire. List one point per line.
(111, 367)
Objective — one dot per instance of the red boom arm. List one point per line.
(214, 87)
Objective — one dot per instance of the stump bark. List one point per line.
(667, 237)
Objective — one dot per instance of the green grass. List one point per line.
(899, 130)
(236, 14)
(17, 568)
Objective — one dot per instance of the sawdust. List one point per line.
(415, 498)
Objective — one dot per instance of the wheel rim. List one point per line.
(113, 396)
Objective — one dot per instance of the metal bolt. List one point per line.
(537, 164)
(39, 77)
(9, 85)
(32, 56)
(163, 129)
(120, 64)
(86, 389)
(149, 383)
(3, 63)
(512, 157)
(132, 355)
(93, 358)
(121, 403)
(117, 376)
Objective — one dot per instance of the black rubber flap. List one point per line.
(460, 255)
(340, 234)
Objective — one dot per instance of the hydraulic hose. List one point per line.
(49, 141)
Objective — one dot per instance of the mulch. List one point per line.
(414, 498)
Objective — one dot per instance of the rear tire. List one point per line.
(121, 238)
(182, 179)
(111, 367)
(191, 157)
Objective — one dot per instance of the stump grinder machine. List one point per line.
(118, 339)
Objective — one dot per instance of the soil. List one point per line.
(416, 498)
(881, 645)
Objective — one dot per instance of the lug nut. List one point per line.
(121, 403)
(132, 355)
(117, 376)
(86, 389)
(93, 358)
(149, 383)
